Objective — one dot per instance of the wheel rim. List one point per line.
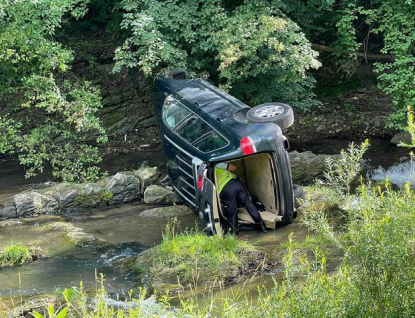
(269, 111)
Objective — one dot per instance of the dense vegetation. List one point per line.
(257, 50)
(362, 266)
(47, 114)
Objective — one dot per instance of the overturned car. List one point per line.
(202, 126)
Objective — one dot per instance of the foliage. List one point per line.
(375, 278)
(340, 173)
(14, 254)
(380, 27)
(51, 313)
(47, 115)
(410, 128)
(101, 15)
(250, 48)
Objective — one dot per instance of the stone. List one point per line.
(306, 166)
(66, 194)
(29, 203)
(124, 186)
(147, 176)
(10, 223)
(169, 212)
(401, 137)
(73, 233)
(298, 194)
(156, 194)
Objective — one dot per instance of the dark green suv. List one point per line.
(202, 126)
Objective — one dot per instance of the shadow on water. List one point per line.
(119, 232)
(120, 235)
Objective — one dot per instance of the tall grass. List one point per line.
(192, 258)
(14, 254)
(376, 277)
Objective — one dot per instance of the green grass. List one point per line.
(194, 258)
(14, 254)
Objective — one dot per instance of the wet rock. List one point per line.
(124, 186)
(65, 194)
(401, 137)
(148, 307)
(147, 176)
(156, 194)
(29, 203)
(37, 303)
(10, 222)
(306, 166)
(298, 194)
(73, 233)
(80, 237)
(170, 211)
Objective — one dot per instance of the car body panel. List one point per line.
(220, 125)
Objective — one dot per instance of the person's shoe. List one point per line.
(263, 228)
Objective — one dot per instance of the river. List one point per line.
(119, 231)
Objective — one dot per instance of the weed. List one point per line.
(14, 254)
(341, 172)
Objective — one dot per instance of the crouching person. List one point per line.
(234, 195)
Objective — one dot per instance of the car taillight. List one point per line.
(200, 182)
(247, 145)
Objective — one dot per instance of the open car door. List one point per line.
(207, 202)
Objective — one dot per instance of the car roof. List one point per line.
(206, 98)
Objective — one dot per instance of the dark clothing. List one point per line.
(234, 195)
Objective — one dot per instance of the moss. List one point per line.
(102, 197)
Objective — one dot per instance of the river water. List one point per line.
(119, 231)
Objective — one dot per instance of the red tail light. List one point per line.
(200, 182)
(247, 145)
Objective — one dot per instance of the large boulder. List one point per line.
(147, 176)
(401, 137)
(156, 194)
(66, 194)
(29, 203)
(306, 166)
(124, 186)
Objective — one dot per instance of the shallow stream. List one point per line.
(120, 233)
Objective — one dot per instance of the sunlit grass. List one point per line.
(194, 256)
(14, 254)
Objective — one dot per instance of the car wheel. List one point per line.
(278, 113)
(179, 73)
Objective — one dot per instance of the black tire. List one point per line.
(177, 74)
(278, 113)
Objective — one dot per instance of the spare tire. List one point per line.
(179, 74)
(278, 113)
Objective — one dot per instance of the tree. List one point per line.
(378, 26)
(47, 115)
(249, 48)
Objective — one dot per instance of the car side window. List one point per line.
(211, 142)
(174, 112)
(201, 135)
(193, 129)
